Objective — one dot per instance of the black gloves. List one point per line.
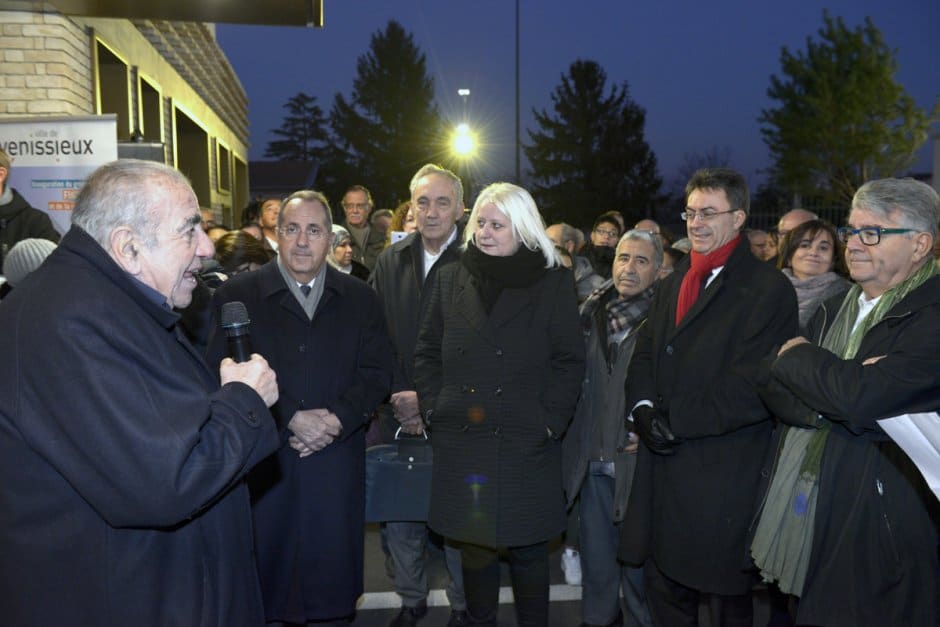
(653, 429)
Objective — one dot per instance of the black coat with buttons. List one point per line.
(500, 389)
(309, 512)
(691, 511)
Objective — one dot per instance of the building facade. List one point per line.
(176, 98)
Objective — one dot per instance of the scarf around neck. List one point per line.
(812, 291)
(622, 315)
(783, 538)
(702, 266)
(521, 269)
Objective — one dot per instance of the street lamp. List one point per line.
(463, 141)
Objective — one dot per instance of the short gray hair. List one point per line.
(431, 168)
(918, 203)
(308, 195)
(652, 239)
(125, 193)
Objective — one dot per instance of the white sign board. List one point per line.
(52, 157)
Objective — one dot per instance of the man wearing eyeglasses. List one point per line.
(324, 333)
(367, 242)
(604, 236)
(704, 429)
(868, 522)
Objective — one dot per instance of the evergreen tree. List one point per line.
(390, 126)
(591, 156)
(841, 118)
(303, 135)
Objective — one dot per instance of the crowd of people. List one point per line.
(695, 415)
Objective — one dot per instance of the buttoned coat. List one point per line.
(874, 557)
(691, 511)
(404, 292)
(309, 512)
(123, 500)
(501, 389)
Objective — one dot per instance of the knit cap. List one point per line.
(25, 256)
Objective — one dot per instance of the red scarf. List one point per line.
(702, 266)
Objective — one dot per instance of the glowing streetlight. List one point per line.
(463, 141)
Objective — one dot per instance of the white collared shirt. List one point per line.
(430, 258)
(865, 305)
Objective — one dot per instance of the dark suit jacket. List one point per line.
(309, 512)
(691, 510)
(123, 502)
(494, 383)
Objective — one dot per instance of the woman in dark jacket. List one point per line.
(499, 362)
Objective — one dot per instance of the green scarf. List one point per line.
(784, 536)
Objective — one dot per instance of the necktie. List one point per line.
(306, 290)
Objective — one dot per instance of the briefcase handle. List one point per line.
(398, 431)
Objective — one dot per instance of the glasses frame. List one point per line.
(845, 233)
(611, 233)
(686, 217)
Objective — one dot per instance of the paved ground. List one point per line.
(379, 604)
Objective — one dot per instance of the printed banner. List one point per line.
(52, 157)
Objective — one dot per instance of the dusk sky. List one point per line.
(701, 70)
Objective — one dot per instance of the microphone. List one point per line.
(235, 322)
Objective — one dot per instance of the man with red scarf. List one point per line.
(704, 429)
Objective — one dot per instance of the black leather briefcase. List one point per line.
(398, 480)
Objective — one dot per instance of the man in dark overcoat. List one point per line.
(325, 331)
(875, 526)
(692, 388)
(123, 500)
(401, 278)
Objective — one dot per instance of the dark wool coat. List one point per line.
(122, 501)
(309, 513)
(494, 383)
(399, 281)
(19, 221)
(874, 559)
(404, 292)
(690, 511)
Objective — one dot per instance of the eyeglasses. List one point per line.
(689, 215)
(292, 231)
(355, 205)
(607, 233)
(869, 235)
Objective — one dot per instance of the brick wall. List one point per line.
(45, 65)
